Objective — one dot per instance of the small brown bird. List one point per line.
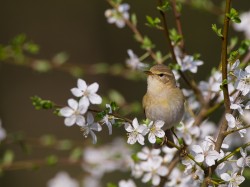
(163, 100)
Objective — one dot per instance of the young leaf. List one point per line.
(233, 15)
(217, 30)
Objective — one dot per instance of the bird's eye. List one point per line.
(161, 75)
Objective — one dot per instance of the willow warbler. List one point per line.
(163, 99)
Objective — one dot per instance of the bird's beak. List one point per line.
(148, 72)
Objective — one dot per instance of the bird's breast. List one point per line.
(168, 107)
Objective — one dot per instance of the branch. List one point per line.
(232, 153)
(178, 23)
(224, 62)
(189, 81)
(236, 130)
(136, 32)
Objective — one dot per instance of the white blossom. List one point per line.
(87, 93)
(205, 153)
(90, 127)
(188, 131)
(74, 113)
(235, 123)
(233, 180)
(150, 155)
(244, 24)
(3, 133)
(136, 132)
(108, 119)
(128, 183)
(92, 181)
(107, 158)
(153, 172)
(243, 81)
(169, 154)
(237, 105)
(118, 16)
(244, 160)
(191, 99)
(134, 62)
(62, 179)
(155, 130)
(189, 63)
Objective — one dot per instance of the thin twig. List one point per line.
(189, 81)
(138, 34)
(178, 23)
(224, 62)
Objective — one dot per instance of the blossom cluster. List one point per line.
(77, 109)
(136, 131)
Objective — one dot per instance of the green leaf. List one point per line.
(153, 22)
(39, 103)
(234, 55)
(114, 106)
(48, 140)
(52, 160)
(224, 82)
(64, 145)
(147, 44)
(111, 185)
(19, 40)
(159, 140)
(116, 98)
(165, 6)
(76, 71)
(135, 157)
(174, 36)
(134, 19)
(244, 47)
(60, 58)
(100, 68)
(8, 157)
(233, 15)
(31, 47)
(217, 31)
(76, 154)
(41, 66)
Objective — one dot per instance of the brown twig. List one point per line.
(189, 81)
(224, 63)
(178, 23)
(138, 34)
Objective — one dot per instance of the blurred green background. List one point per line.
(80, 29)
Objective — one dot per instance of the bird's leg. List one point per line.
(172, 130)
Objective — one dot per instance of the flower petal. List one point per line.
(197, 149)
(156, 180)
(76, 92)
(94, 138)
(146, 177)
(95, 99)
(81, 84)
(160, 133)
(128, 127)
(70, 121)
(93, 88)
(199, 158)
(151, 138)
(90, 118)
(66, 111)
(96, 127)
(73, 104)
(140, 139)
(80, 120)
(225, 177)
